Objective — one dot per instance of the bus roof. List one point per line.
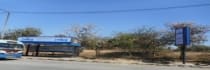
(10, 41)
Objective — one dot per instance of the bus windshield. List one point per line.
(11, 46)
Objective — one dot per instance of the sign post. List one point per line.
(183, 40)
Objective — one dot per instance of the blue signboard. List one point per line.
(45, 39)
(183, 36)
(179, 36)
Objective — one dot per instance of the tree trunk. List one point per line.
(130, 52)
(97, 51)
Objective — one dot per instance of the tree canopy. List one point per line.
(15, 33)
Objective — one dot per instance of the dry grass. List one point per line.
(88, 54)
(165, 55)
(91, 53)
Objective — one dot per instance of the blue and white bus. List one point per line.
(11, 49)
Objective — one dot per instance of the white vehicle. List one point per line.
(11, 49)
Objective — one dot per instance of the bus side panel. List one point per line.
(10, 56)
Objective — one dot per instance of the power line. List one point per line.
(111, 11)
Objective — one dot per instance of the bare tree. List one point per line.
(60, 35)
(86, 34)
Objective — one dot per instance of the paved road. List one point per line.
(26, 64)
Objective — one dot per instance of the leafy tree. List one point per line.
(15, 33)
(146, 39)
(149, 40)
(199, 48)
(125, 41)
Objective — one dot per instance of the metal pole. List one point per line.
(27, 49)
(37, 50)
(183, 54)
(4, 26)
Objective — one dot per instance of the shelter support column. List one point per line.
(37, 50)
(27, 49)
(75, 51)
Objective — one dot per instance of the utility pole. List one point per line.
(5, 24)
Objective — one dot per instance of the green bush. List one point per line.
(199, 48)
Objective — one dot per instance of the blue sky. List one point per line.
(107, 24)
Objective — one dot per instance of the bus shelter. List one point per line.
(50, 44)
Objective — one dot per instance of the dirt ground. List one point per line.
(195, 57)
(114, 54)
